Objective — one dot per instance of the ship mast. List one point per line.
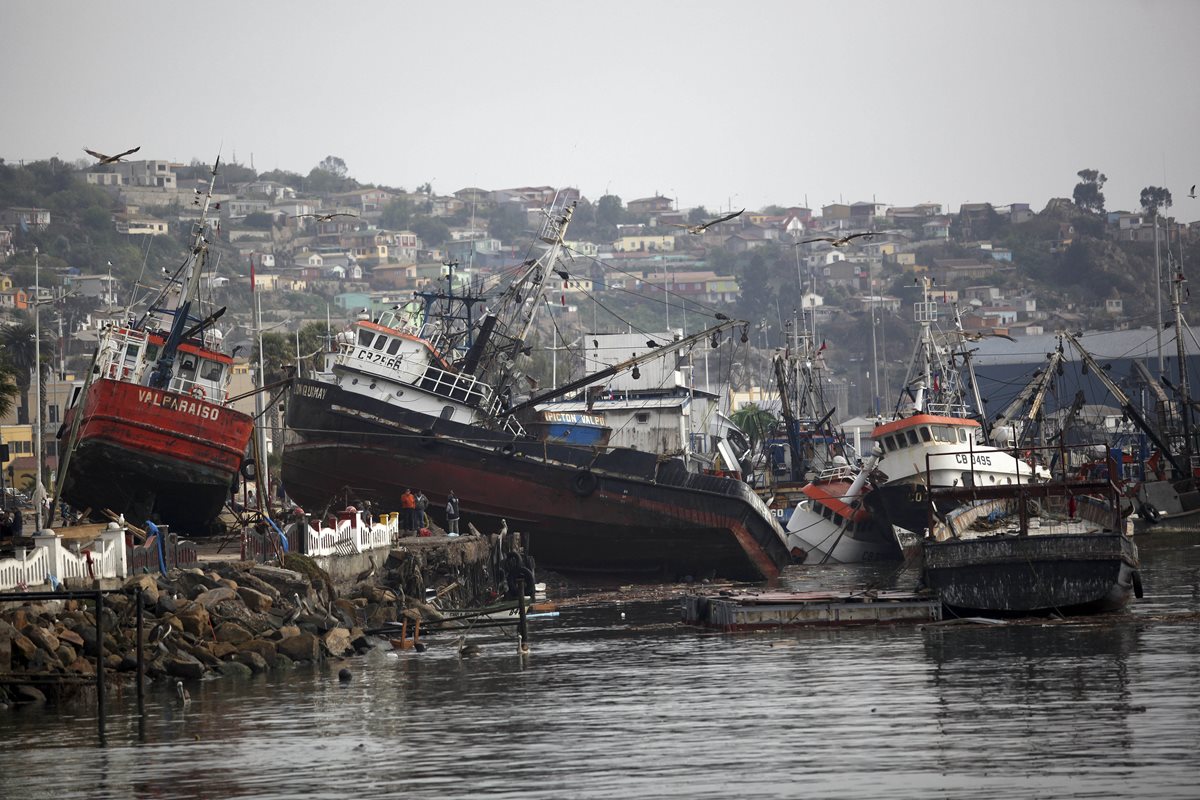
(160, 377)
(1185, 401)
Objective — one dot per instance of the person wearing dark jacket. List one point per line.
(452, 514)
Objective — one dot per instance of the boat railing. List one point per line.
(840, 472)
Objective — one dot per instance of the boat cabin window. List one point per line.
(912, 436)
(380, 341)
(962, 435)
(925, 435)
(152, 352)
(211, 371)
(393, 347)
(187, 368)
(944, 433)
(889, 443)
(364, 337)
(838, 519)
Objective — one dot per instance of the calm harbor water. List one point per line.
(641, 706)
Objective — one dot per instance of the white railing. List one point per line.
(350, 534)
(51, 561)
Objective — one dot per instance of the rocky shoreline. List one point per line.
(233, 618)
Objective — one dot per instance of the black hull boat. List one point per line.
(1060, 547)
(619, 512)
(1067, 574)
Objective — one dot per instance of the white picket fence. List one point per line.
(50, 560)
(350, 534)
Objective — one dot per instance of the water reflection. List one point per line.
(616, 707)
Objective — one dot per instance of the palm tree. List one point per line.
(757, 423)
(16, 362)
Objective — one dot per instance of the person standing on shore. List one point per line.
(422, 505)
(408, 504)
(452, 514)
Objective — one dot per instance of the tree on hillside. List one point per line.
(396, 214)
(754, 301)
(1087, 193)
(292, 179)
(697, 215)
(508, 223)
(17, 361)
(433, 232)
(609, 211)
(1155, 197)
(334, 165)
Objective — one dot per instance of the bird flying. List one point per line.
(703, 226)
(562, 273)
(103, 159)
(1193, 194)
(325, 217)
(838, 241)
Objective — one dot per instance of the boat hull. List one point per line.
(622, 512)
(1068, 574)
(143, 451)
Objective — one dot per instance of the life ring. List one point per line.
(584, 482)
(249, 469)
(198, 392)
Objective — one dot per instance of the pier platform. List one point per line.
(767, 610)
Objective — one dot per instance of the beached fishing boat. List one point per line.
(428, 396)
(934, 441)
(1057, 547)
(151, 432)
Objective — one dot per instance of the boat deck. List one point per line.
(751, 611)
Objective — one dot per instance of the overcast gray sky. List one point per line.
(712, 103)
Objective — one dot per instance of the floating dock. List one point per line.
(749, 611)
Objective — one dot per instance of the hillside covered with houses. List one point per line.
(325, 247)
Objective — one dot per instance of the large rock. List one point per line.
(183, 665)
(213, 596)
(194, 619)
(287, 582)
(303, 647)
(223, 650)
(147, 584)
(266, 649)
(255, 600)
(5, 652)
(337, 642)
(235, 669)
(193, 582)
(42, 638)
(233, 633)
(22, 646)
(252, 660)
(27, 694)
(70, 637)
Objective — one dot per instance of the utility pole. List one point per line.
(1158, 299)
(39, 490)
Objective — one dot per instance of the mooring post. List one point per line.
(523, 625)
(100, 663)
(141, 659)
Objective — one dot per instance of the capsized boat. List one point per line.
(151, 431)
(832, 525)
(429, 396)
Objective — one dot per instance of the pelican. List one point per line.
(182, 692)
(103, 159)
(838, 241)
(703, 226)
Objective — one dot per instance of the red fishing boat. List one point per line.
(151, 433)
